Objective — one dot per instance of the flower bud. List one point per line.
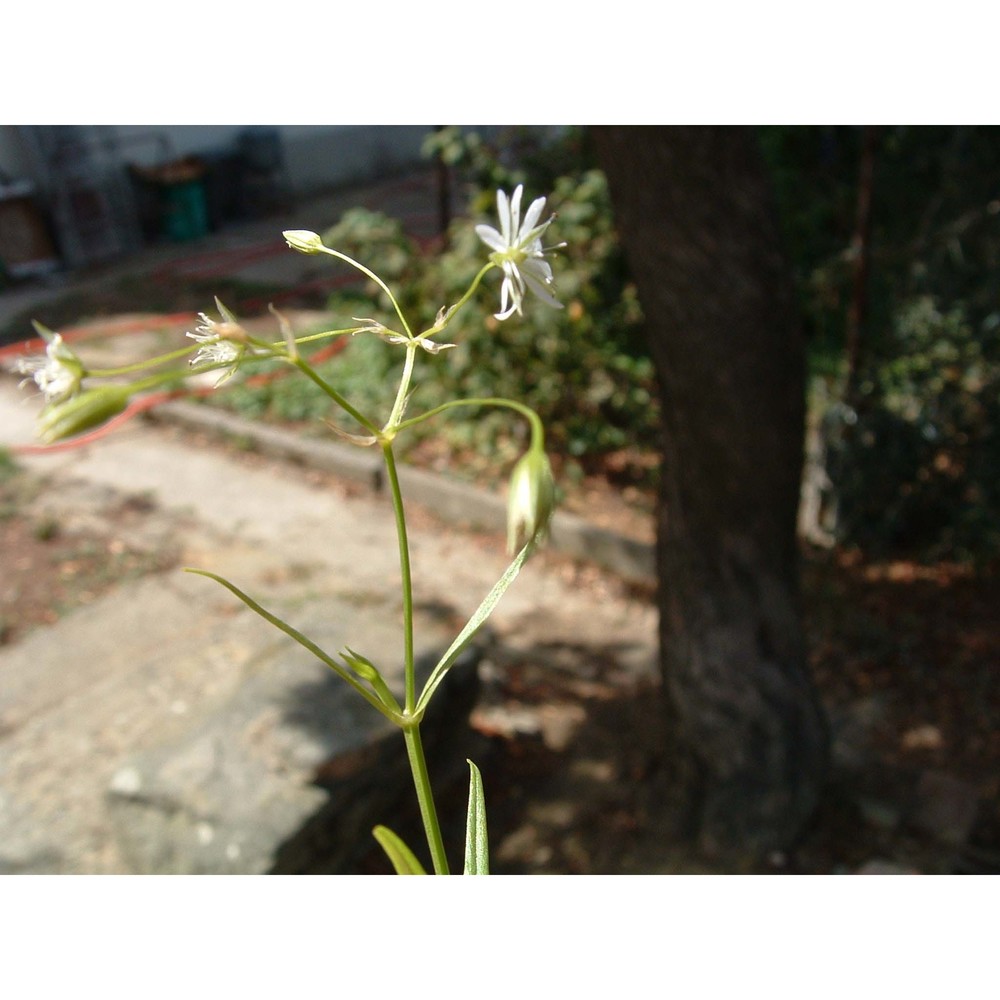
(531, 499)
(80, 413)
(304, 241)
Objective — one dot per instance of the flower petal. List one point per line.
(531, 217)
(491, 238)
(515, 214)
(541, 291)
(503, 213)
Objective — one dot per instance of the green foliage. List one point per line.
(918, 461)
(8, 467)
(914, 451)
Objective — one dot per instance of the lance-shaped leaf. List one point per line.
(474, 624)
(402, 858)
(295, 634)
(477, 849)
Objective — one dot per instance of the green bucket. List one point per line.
(185, 211)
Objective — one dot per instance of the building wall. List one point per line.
(317, 157)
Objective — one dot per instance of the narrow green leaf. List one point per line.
(472, 626)
(402, 858)
(295, 634)
(477, 849)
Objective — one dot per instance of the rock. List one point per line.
(252, 777)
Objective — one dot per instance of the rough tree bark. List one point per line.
(694, 212)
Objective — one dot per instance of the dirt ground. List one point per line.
(911, 649)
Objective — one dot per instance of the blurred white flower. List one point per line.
(58, 374)
(222, 344)
(518, 251)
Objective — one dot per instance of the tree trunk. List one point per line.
(695, 216)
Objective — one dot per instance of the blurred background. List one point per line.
(890, 242)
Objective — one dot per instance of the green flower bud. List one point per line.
(304, 241)
(531, 500)
(80, 413)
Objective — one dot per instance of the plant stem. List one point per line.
(311, 373)
(392, 424)
(140, 365)
(537, 428)
(438, 327)
(422, 784)
(414, 745)
(404, 569)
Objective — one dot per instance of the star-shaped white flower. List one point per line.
(222, 344)
(58, 374)
(518, 251)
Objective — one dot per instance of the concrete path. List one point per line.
(165, 727)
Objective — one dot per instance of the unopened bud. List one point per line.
(531, 500)
(304, 241)
(82, 412)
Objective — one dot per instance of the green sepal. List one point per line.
(83, 412)
(361, 665)
(43, 331)
(477, 848)
(367, 671)
(225, 313)
(402, 858)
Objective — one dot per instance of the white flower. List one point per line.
(222, 344)
(518, 251)
(58, 374)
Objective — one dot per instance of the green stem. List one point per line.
(537, 428)
(311, 373)
(310, 338)
(422, 784)
(438, 327)
(140, 365)
(374, 277)
(414, 745)
(392, 424)
(404, 569)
